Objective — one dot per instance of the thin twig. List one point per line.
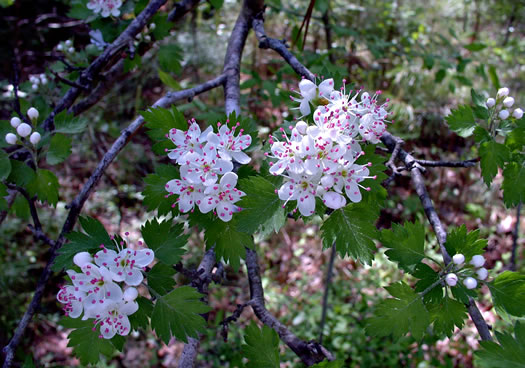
(59, 78)
(444, 163)
(10, 199)
(31, 202)
(327, 284)
(515, 237)
(233, 318)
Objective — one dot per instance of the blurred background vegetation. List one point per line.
(425, 56)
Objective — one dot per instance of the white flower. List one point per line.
(470, 283)
(458, 259)
(187, 142)
(113, 317)
(125, 265)
(23, 130)
(189, 194)
(482, 273)
(35, 138)
(73, 298)
(451, 279)
(32, 113)
(300, 188)
(204, 169)
(502, 92)
(105, 7)
(97, 282)
(15, 122)
(477, 261)
(308, 91)
(334, 200)
(508, 101)
(503, 114)
(518, 113)
(230, 147)
(11, 138)
(221, 197)
(490, 102)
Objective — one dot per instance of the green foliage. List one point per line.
(513, 184)
(166, 239)
(262, 347)
(261, 206)
(352, 229)
(177, 314)
(509, 353)
(94, 236)
(140, 319)
(155, 191)
(406, 243)
(461, 120)
(20, 174)
(508, 293)
(3, 194)
(493, 155)
(59, 149)
(159, 121)
(5, 165)
(428, 277)
(160, 278)
(45, 186)
(169, 58)
(446, 315)
(399, 315)
(375, 198)
(67, 123)
(461, 242)
(327, 364)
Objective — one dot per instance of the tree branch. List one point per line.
(515, 237)
(328, 282)
(309, 352)
(466, 163)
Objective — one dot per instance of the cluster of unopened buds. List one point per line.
(206, 177)
(476, 270)
(37, 80)
(66, 46)
(95, 291)
(23, 129)
(503, 102)
(320, 160)
(105, 7)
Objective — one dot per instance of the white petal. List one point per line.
(143, 257)
(133, 277)
(81, 258)
(129, 308)
(225, 211)
(107, 331)
(326, 88)
(352, 192)
(334, 200)
(223, 166)
(307, 88)
(208, 204)
(307, 205)
(174, 186)
(229, 181)
(241, 157)
(304, 107)
(112, 291)
(185, 203)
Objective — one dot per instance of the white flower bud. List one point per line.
(503, 92)
(32, 113)
(34, 87)
(23, 130)
(327, 181)
(147, 38)
(152, 26)
(334, 200)
(15, 122)
(11, 138)
(508, 101)
(482, 273)
(458, 259)
(130, 294)
(301, 127)
(477, 261)
(35, 138)
(68, 43)
(518, 113)
(82, 258)
(60, 47)
(491, 102)
(451, 279)
(71, 50)
(42, 75)
(33, 79)
(43, 81)
(470, 283)
(503, 114)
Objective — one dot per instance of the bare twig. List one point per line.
(233, 318)
(59, 78)
(31, 203)
(10, 199)
(327, 284)
(465, 163)
(391, 161)
(515, 237)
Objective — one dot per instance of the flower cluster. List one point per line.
(24, 129)
(105, 7)
(477, 270)
(502, 104)
(207, 180)
(95, 290)
(66, 46)
(37, 80)
(320, 160)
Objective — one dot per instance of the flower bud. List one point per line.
(503, 92)
(35, 138)
(34, 87)
(152, 26)
(147, 38)
(301, 127)
(68, 43)
(334, 200)
(60, 47)
(503, 114)
(508, 101)
(482, 273)
(490, 102)
(15, 122)
(518, 113)
(458, 259)
(11, 138)
(43, 81)
(451, 279)
(82, 258)
(32, 113)
(477, 261)
(130, 294)
(23, 130)
(71, 50)
(470, 283)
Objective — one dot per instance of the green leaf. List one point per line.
(20, 174)
(217, 4)
(440, 75)
(477, 99)
(399, 315)
(177, 314)
(428, 277)
(509, 353)
(160, 278)
(494, 77)
(155, 190)
(170, 56)
(3, 194)
(5, 165)
(475, 46)
(166, 240)
(159, 121)
(461, 120)
(481, 112)
(59, 149)
(374, 198)
(513, 184)
(229, 242)
(67, 123)
(168, 80)
(352, 229)
(45, 186)
(86, 344)
(94, 235)
(332, 364)
(446, 315)
(262, 208)
(516, 139)
(508, 293)
(481, 135)
(406, 243)
(140, 319)
(493, 155)
(261, 348)
(458, 241)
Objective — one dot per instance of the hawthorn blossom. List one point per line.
(73, 299)
(205, 169)
(113, 318)
(96, 281)
(300, 188)
(309, 91)
(187, 142)
(189, 194)
(105, 7)
(221, 197)
(230, 147)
